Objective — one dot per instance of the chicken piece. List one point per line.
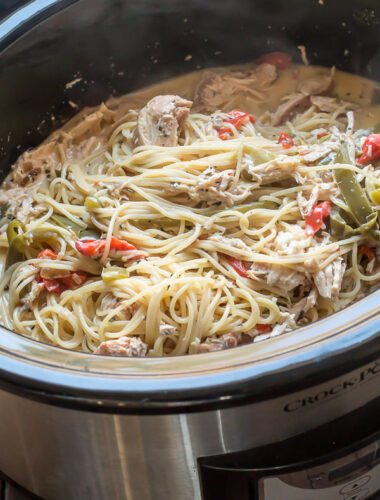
(33, 295)
(305, 304)
(329, 280)
(274, 170)
(78, 138)
(217, 188)
(330, 104)
(278, 276)
(216, 90)
(307, 200)
(286, 323)
(131, 347)
(18, 204)
(316, 85)
(226, 341)
(284, 278)
(295, 103)
(300, 101)
(117, 190)
(266, 73)
(160, 122)
(166, 329)
(319, 151)
(291, 242)
(110, 302)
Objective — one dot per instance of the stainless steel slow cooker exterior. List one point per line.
(79, 426)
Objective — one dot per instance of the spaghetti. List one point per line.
(240, 231)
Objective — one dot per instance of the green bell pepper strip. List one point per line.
(17, 242)
(161, 221)
(339, 228)
(352, 192)
(92, 202)
(375, 195)
(324, 138)
(113, 273)
(66, 223)
(270, 205)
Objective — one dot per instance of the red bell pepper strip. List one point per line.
(371, 149)
(365, 250)
(322, 134)
(238, 265)
(54, 286)
(59, 285)
(238, 119)
(314, 221)
(94, 248)
(47, 254)
(75, 280)
(278, 59)
(263, 328)
(285, 140)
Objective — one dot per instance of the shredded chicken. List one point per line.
(305, 304)
(278, 276)
(19, 204)
(217, 90)
(330, 104)
(78, 138)
(308, 199)
(160, 122)
(286, 323)
(226, 341)
(265, 73)
(329, 280)
(117, 190)
(294, 104)
(166, 329)
(319, 151)
(131, 347)
(215, 188)
(277, 169)
(109, 302)
(33, 295)
(291, 242)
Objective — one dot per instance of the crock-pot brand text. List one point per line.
(339, 387)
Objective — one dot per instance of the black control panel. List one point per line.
(337, 461)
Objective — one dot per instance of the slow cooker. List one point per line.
(295, 417)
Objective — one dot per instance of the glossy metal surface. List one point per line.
(61, 453)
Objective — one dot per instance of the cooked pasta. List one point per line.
(192, 227)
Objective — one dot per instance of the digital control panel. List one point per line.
(353, 477)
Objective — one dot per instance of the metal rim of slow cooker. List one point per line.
(226, 379)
